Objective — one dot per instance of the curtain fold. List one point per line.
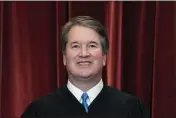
(1, 39)
(61, 18)
(164, 69)
(29, 54)
(114, 28)
(141, 59)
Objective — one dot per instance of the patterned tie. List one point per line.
(84, 101)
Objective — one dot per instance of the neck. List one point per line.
(84, 84)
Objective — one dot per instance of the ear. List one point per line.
(104, 60)
(64, 60)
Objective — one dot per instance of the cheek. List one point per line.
(70, 58)
(98, 56)
(98, 53)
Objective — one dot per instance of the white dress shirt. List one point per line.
(92, 93)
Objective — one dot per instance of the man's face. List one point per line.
(84, 56)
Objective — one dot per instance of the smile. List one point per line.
(84, 63)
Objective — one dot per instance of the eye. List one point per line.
(92, 45)
(75, 46)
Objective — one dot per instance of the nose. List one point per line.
(84, 52)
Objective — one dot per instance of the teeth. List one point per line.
(84, 63)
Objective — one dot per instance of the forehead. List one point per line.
(83, 34)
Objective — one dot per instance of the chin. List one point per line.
(84, 75)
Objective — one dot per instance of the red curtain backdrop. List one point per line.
(141, 59)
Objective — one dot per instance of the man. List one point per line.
(85, 45)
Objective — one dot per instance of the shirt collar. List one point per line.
(74, 90)
(92, 93)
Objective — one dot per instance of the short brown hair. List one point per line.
(89, 22)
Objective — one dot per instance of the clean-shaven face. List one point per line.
(84, 57)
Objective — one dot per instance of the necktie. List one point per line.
(84, 101)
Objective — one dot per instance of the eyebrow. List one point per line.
(75, 42)
(94, 42)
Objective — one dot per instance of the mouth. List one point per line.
(82, 63)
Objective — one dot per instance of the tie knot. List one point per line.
(84, 96)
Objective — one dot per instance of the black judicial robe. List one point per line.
(110, 103)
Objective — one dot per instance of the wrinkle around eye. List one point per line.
(93, 46)
(75, 46)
